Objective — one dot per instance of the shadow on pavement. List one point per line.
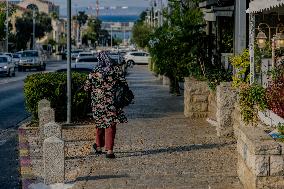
(173, 149)
(100, 177)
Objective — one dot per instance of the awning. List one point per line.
(256, 6)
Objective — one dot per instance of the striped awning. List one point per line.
(256, 6)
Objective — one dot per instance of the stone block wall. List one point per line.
(212, 106)
(196, 95)
(40, 143)
(226, 97)
(78, 145)
(260, 158)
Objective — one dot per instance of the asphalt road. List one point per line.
(12, 112)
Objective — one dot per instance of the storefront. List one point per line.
(266, 38)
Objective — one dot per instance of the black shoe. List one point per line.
(110, 156)
(97, 151)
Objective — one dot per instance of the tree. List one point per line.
(2, 25)
(24, 27)
(141, 33)
(81, 18)
(3, 19)
(92, 32)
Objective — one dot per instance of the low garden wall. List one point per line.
(196, 94)
(260, 158)
(52, 153)
(217, 107)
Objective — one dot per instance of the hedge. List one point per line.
(53, 87)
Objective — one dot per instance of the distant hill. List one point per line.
(131, 11)
(119, 18)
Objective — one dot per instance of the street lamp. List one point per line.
(261, 39)
(279, 40)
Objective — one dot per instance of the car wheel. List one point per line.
(43, 67)
(9, 73)
(130, 63)
(14, 73)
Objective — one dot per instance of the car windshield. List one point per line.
(88, 59)
(3, 60)
(16, 56)
(30, 54)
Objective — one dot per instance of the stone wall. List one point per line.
(226, 97)
(196, 95)
(212, 106)
(260, 158)
(39, 143)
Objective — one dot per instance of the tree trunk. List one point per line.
(174, 86)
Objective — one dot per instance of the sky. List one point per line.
(104, 3)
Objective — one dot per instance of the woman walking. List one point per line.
(103, 85)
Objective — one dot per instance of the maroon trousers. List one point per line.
(105, 137)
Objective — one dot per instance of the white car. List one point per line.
(16, 58)
(31, 59)
(83, 54)
(75, 53)
(7, 67)
(132, 58)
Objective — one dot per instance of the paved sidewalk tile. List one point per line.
(159, 148)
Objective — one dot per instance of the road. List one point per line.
(12, 112)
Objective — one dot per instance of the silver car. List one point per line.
(7, 67)
(31, 59)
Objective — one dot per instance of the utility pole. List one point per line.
(7, 26)
(111, 36)
(69, 94)
(34, 29)
(97, 8)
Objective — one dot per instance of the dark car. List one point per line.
(89, 59)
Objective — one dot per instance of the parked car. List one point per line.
(16, 58)
(132, 58)
(7, 67)
(31, 59)
(79, 67)
(88, 59)
(83, 54)
(117, 57)
(75, 53)
(10, 56)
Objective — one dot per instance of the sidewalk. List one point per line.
(160, 148)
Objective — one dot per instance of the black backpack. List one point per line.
(123, 96)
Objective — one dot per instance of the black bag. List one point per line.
(123, 96)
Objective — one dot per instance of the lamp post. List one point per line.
(33, 29)
(111, 36)
(69, 101)
(7, 26)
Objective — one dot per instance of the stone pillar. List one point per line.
(53, 160)
(196, 95)
(226, 98)
(52, 129)
(45, 115)
(53, 154)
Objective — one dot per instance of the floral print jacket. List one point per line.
(103, 89)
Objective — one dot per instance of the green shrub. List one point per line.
(53, 87)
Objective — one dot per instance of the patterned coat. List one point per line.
(103, 88)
